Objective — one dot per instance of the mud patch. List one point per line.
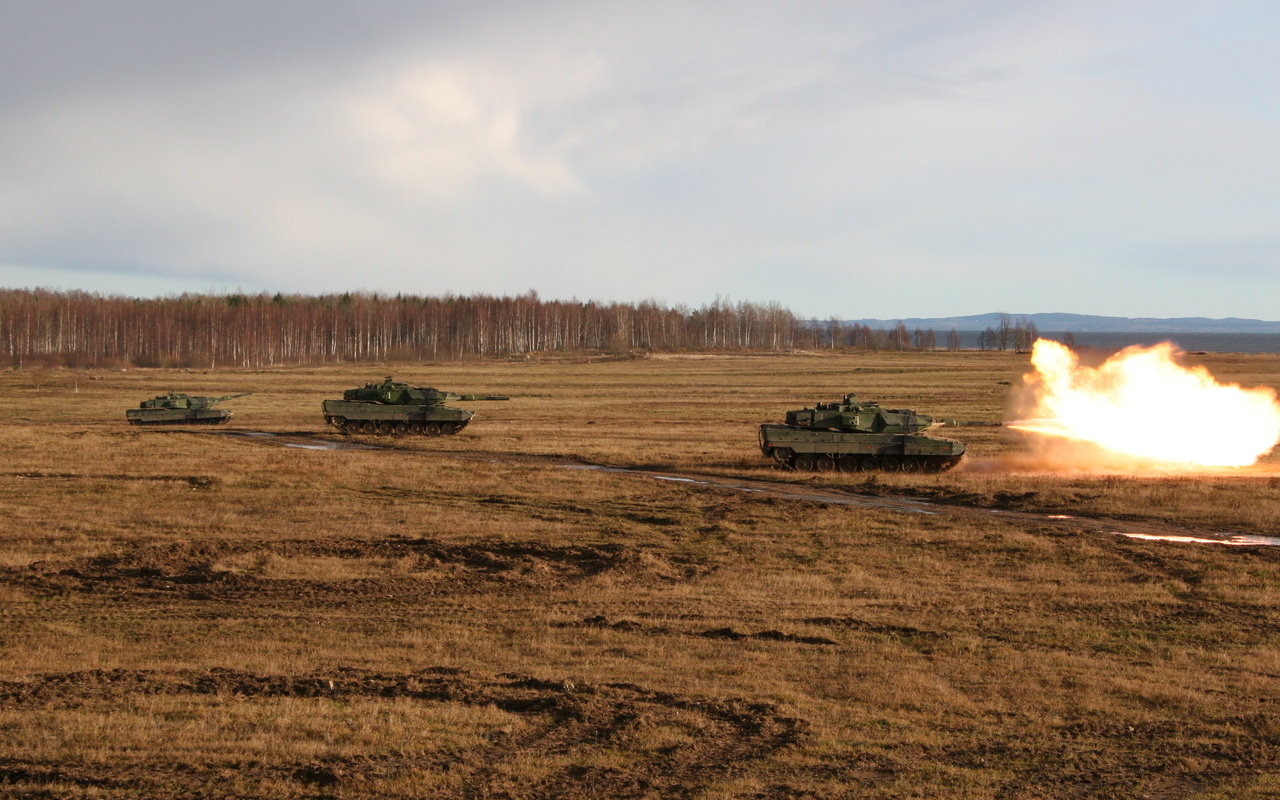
(718, 633)
(852, 623)
(770, 636)
(195, 481)
(358, 570)
(583, 740)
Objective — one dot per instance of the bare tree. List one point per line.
(1032, 332)
(1004, 331)
(834, 331)
(900, 337)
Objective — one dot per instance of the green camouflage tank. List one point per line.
(854, 436)
(396, 409)
(176, 408)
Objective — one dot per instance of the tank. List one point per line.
(176, 408)
(398, 409)
(859, 436)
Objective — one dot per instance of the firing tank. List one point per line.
(397, 409)
(176, 408)
(860, 436)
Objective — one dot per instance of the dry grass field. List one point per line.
(205, 613)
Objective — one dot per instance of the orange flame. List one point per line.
(1144, 405)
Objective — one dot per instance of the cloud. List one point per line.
(621, 151)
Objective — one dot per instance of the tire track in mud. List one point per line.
(195, 481)
(1151, 531)
(631, 626)
(572, 728)
(367, 570)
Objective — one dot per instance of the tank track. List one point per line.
(210, 421)
(816, 462)
(371, 427)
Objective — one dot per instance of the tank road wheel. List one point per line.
(783, 455)
(849, 464)
(933, 465)
(869, 464)
(368, 427)
(891, 464)
(449, 428)
(383, 428)
(825, 464)
(431, 429)
(803, 462)
(910, 465)
(415, 428)
(399, 429)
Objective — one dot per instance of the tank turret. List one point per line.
(852, 416)
(859, 436)
(392, 392)
(176, 408)
(392, 407)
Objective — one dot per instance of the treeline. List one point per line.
(80, 329)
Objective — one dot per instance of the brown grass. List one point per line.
(187, 613)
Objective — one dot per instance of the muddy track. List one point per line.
(957, 507)
(730, 634)
(783, 489)
(195, 481)
(922, 640)
(579, 724)
(367, 570)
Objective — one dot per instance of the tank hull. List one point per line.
(808, 449)
(177, 416)
(353, 416)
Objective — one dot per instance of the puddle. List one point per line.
(1236, 539)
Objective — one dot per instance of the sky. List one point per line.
(845, 159)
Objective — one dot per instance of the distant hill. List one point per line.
(1083, 323)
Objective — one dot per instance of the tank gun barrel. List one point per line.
(395, 408)
(855, 435)
(229, 397)
(962, 423)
